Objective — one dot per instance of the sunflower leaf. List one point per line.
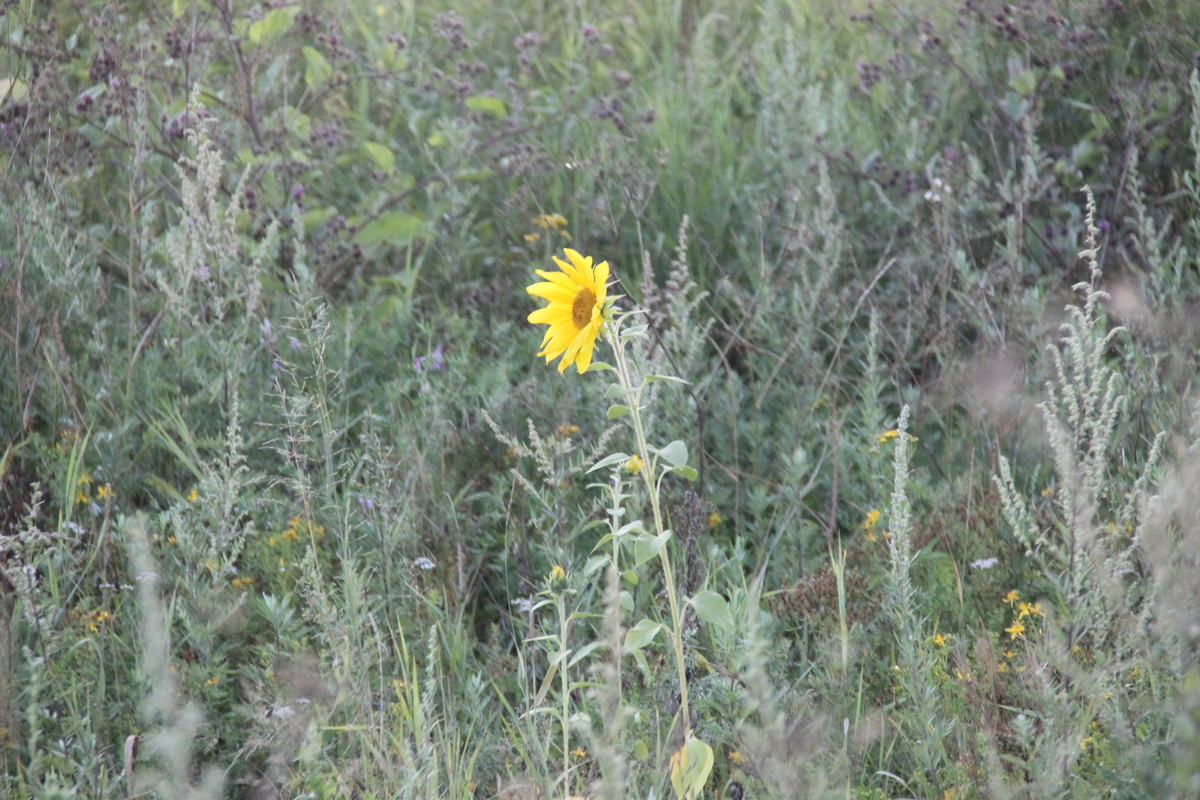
(618, 411)
(641, 635)
(608, 461)
(675, 454)
(668, 378)
(713, 609)
(686, 472)
(646, 547)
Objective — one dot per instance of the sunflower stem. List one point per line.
(648, 470)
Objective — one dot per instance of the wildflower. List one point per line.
(366, 503)
(550, 221)
(1016, 630)
(984, 563)
(634, 465)
(1029, 610)
(579, 752)
(870, 520)
(883, 437)
(532, 237)
(213, 681)
(523, 604)
(103, 492)
(736, 757)
(557, 579)
(939, 640)
(577, 297)
(242, 582)
(424, 563)
(714, 519)
(193, 495)
(433, 362)
(1002, 667)
(1012, 596)
(565, 431)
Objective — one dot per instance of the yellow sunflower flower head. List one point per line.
(577, 295)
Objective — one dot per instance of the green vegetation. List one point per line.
(892, 489)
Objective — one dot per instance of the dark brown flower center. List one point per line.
(581, 309)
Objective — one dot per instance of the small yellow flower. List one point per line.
(1029, 610)
(1012, 596)
(290, 535)
(172, 540)
(213, 681)
(1016, 630)
(104, 491)
(883, 437)
(557, 578)
(242, 582)
(577, 295)
(939, 640)
(566, 431)
(1085, 741)
(714, 519)
(579, 752)
(870, 520)
(532, 237)
(550, 221)
(1002, 667)
(81, 496)
(634, 465)
(193, 496)
(1010, 654)
(736, 757)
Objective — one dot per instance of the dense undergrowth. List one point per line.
(290, 508)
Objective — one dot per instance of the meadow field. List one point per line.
(852, 449)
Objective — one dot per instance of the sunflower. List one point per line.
(577, 296)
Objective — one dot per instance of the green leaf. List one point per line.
(178, 7)
(601, 365)
(13, 90)
(686, 472)
(1023, 83)
(315, 216)
(380, 155)
(272, 26)
(630, 527)
(488, 105)
(616, 412)
(608, 461)
(675, 454)
(395, 228)
(316, 68)
(583, 653)
(615, 390)
(690, 767)
(646, 547)
(668, 378)
(641, 635)
(712, 608)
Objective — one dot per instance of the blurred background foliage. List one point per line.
(262, 277)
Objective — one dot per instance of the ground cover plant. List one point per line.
(599, 399)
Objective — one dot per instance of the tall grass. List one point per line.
(290, 508)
